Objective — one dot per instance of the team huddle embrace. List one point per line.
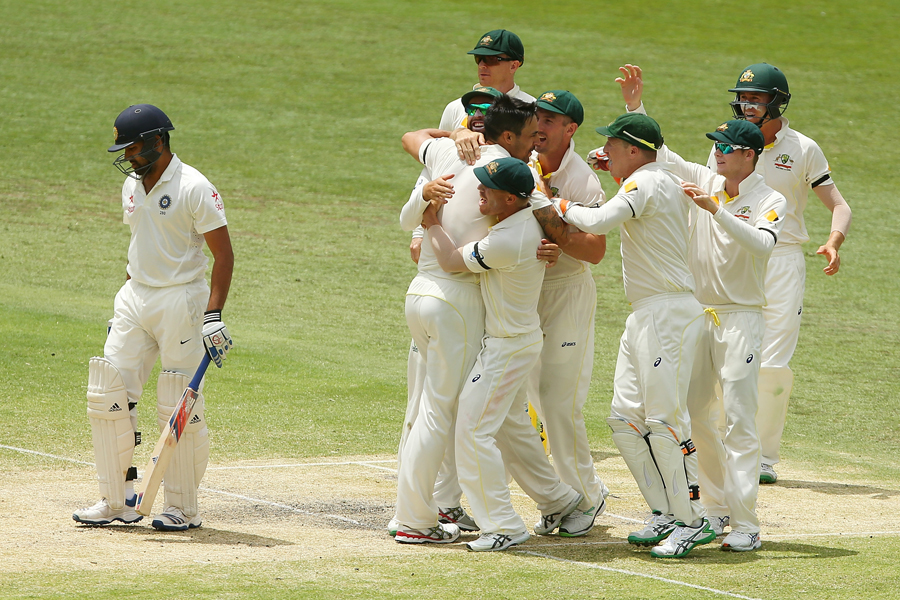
(506, 220)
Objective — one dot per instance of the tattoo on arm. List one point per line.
(556, 230)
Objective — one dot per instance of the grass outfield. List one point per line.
(295, 110)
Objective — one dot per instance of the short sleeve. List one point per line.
(489, 253)
(210, 211)
(816, 164)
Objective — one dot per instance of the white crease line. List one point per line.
(278, 505)
(635, 574)
(371, 463)
(615, 516)
(25, 451)
(766, 536)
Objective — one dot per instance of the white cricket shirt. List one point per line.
(652, 211)
(790, 165)
(511, 276)
(167, 225)
(455, 112)
(573, 180)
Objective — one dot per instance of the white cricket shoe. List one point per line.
(393, 526)
(719, 524)
(550, 522)
(102, 514)
(657, 527)
(738, 541)
(492, 542)
(173, 519)
(683, 540)
(442, 533)
(581, 522)
(767, 474)
(458, 516)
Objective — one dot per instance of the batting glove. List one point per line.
(563, 206)
(216, 337)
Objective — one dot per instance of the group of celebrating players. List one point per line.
(507, 219)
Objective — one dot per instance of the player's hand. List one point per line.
(468, 145)
(439, 188)
(216, 337)
(562, 206)
(834, 259)
(700, 197)
(632, 86)
(548, 251)
(598, 159)
(415, 249)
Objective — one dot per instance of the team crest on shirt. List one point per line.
(164, 204)
(549, 97)
(486, 40)
(743, 213)
(784, 162)
(746, 76)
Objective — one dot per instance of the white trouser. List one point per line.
(785, 284)
(653, 370)
(492, 427)
(447, 326)
(558, 385)
(729, 353)
(152, 321)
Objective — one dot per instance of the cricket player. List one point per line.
(447, 323)
(791, 164)
(558, 385)
(490, 420)
(734, 227)
(166, 310)
(649, 418)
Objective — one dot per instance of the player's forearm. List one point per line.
(585, 246)
(220, 282)
(449, 257)
(600, 220)
(841, 215)
(411, 213)
(758, 242)
(413, 140)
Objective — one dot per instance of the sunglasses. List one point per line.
(729, 148)
(491, 61)
(472, 108)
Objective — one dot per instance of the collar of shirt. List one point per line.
(785, 125)
(567, 157)
(746, 186)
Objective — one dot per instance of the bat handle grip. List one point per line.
(201, 371)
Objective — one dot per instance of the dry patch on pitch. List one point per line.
(335, 509)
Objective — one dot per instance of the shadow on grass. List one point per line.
(837, 489)
(201, 535)
(713, 553)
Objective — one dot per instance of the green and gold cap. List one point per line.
(507, 174)
(479, 91)
(740, 133)
(762, 77)
(500, 41)
(637, 129)
(563, 102)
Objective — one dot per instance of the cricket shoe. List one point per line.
(442, 533)
(738, 541)
(459, 517)
(657, 527)
(767, 474)
(719, 524)
(103, 514)
(393, 526)
(683, 540)
(492, 542)
(550, 522)
(580, 522)
(173, 519)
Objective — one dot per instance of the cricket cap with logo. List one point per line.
(563, 102)
(739, 133)
(479, 91)
(637, 129)
(500, 41)
(507, 174)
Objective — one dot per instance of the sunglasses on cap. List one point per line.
(491, 61)
(470, 110)
(729, 148)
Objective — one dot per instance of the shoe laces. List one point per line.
(452, 514)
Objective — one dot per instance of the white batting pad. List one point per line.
(192, 452)
(111, 429)
(678, 470)
(633, 446)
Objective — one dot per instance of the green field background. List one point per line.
(295, 110)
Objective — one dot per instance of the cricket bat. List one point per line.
(165, 447)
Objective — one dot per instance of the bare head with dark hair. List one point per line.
(512, 124)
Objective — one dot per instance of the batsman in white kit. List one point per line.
(649, 418)
(165, 309)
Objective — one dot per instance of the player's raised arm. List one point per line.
(412, 140)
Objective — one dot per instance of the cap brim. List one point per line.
(483, 176)
(604, 131)
(484, 52)
(547, 106)
(117, 147)
(718, 136)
